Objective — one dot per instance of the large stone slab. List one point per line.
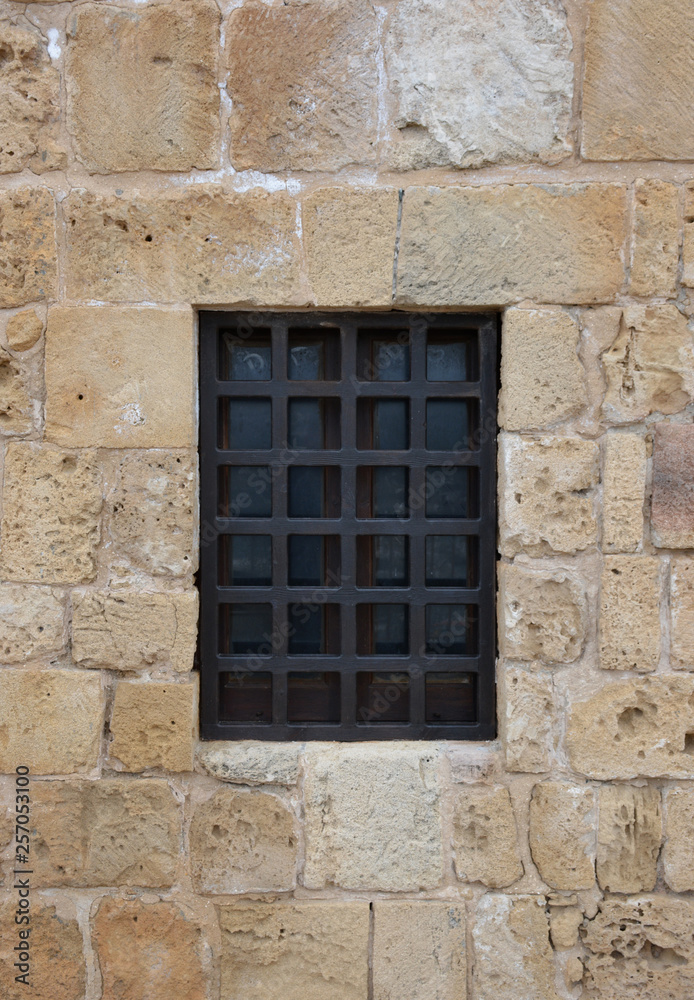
(678, 851)
(630, 833)
(623, 492)
(527, 715)
(419, 950)
(27, 246)
(562, 834)
(56, 952)
(629, 630)
(17, 408)
(154, 724)
(655, 250)
(32, 622)
(251, 762)
(682, 613)
(485, 838)
(672, 504)
(543, 615)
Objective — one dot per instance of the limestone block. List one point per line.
(641, 727)
(133, 630)
(385, 836)
(655, 250)
(243, 842)
(650, 366)
(682, 613)
(564, 922)
(148, 951)
(562, 834)
(637, 90)
(154, 725)
(544, 615)
(16, 408)
(624, 487)
(495, 245)
(641, 949)
(200, 244)
(629, 634)
(303, 82)
(545, 494)
(111, 832)
(27, 246)
(485, 839)
(249, 762)
(419, 950)
(315, 950)
(672, 505)
(485, 101)
(50, 720)
(51, 515)
(23, 330)
(56, 959)
(630, 832)
(526, 716)
(106, 385)
(513, 955)
(678, 853)
(152, 521)
(688, 245)
(32, 622)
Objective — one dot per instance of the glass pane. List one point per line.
(245, 359)
(382, 630)
(313, 697)
(245, 491)
(248, 424)
(245, 628)
(383, 358)
(450, 358)
(314, 423)
(450, 697)
(245, 561)
(389, 492)
(382, 561)
(383, 697)
(449, 562)
(448, 425)
(313, 357)
(306, 560)
(447, 491)
(314, 491)
(314, 629)
(245, 696)
(383, 424)
(450, 629)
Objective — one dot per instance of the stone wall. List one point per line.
(531, 156)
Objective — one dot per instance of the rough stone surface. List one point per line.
(251, 763)
(542, 615)
(241, 842)
(564, 922)
(682, 613)
(485, 839)
(51, 515)
(672, 505)
(372, 817)
(419, 950)
(50, 720)
(495, 245)
(629, 633)
(527, 714)
(630, 832)
(16, 407)
(623, 494)
(655, 251)
(32, 622)
(57, 966)
(678, 852)
(562, 838)
(295, 951)
(154, 725)
(27, 246)
(546, 502)
(23, 330)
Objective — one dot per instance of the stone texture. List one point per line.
(672, 505)
(51, 515)
(241, 842)
(629, 632)
(32, 622)
(106, 385)
(154, 725)
(638, 90)
(372, 817)
(303, 81)
(564, 922)
(542, 615)
(485, 839)
(201, 244)
(134, 630)
(546, 502)
(57, 966)
(655, 250)
(50, 720)
(501, 92)
(682, 613)
(630, 832)
(250, 762)
(295, 950)
(495, 245)
(526, 717)
(419, 950)
(678, 852)
(688, 243)
(16, 409)
(23, 330)
(27, 246)
(623, 492)
(148, 951)
(562, 838)
(111, 832)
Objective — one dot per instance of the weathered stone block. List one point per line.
(32, 622)
(495, 245)
(419, 950)
(688, 247)
(682, 613)
(624, 487)
(154, 725)
(16, 406)
(564, 922)
(527, 716)
(630, 832)
(50, 720)
(543, 615)
(678, 852)
(23, 330)
(27, 246)
(629, 635)
(672, 505)
(655, 250)
(485, 839)
(56, 959)
(562, 834)
(251, 763)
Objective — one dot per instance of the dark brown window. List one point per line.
(347, 526)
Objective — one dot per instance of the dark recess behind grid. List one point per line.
(212, 663)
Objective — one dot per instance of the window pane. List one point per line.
(314, 629)
(247, 424)
(383, 358)
(245, 491)
(313, 697)
(450, 629)
(383, 424)
(450, 698)
(447, 491)
(313, 560)
(451, 357)
(245, 560)
(450, 561)
(245, 359)
(382, 630)
(313, 357)
(383, 697)
(314, 491)
(245, 696)
(245, 628)
(448, 425)
(382, 561)
(314, 423)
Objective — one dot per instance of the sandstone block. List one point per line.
(23, 330)
(527, 715)
(564, 922)
(388, 836)
(545, 494)
(562, 837)
(51, 515)
(32, 622)
(496, 245)
(672, 505)
(314, 950)
(27, 246)
(688, 247)
(50, 720)
(112, 832)
(16, 406)
(543, 614)
(682, 614)
(419, 951)
(655, 250)
(678, 852)
(624, 487)
(485, 839)
(629, 635)
(57, 966)
(251, 763)
(630, 832)
(154, 725)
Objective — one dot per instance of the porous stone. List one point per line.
(154, 725)
(624, 487)
(543, 615)
(562, 834)
(637, 90)
(111, 832)
(303, 80)
(27, 246)
(545, 494)
(52, 503)
(485, 839)
(564, 922)
(496, 245)
(32, 622)
(527, 715)
(630, 832)
(56, 960)
(315, 950)
(251, 763)
(419, 950)
(106, 385)
(133, 630)
(629, 632)
(243, 842)
(655, 250)
(486, 101)
(672, 505)
(682, 613)
(50, 720)
(16, 408)
(678, 852)
(148, 951)
(23, 330)
(387, 836)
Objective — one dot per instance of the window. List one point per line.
(348, 526)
